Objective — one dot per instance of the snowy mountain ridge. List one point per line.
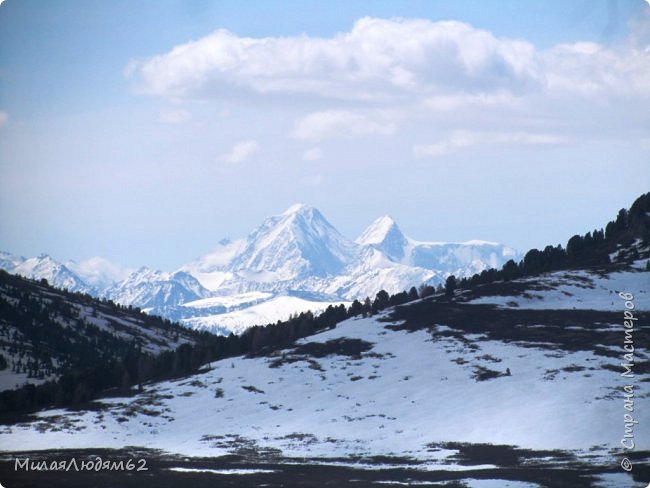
(295, 252)
(44, 266)
(300, 250)
(454, 257)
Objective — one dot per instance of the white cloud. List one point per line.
(312, 154)
(462, 139)
(241, 151)
(380, 59)
(339, 123)
(416, 75)
(4, 117)
(587, 68)
(174, 116)
(98, 271)
(377, 59)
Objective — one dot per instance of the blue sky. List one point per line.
(145, 132)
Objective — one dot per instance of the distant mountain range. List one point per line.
(292, 262)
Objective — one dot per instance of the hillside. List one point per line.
(59, 348)
(514, 377)
(416, 391)
(47, 333)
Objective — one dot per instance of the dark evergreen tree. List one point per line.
(381, 301)
(450, 285)
(413, 294)
(355, 309)
(426, 290)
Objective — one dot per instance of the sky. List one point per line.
(145, 132)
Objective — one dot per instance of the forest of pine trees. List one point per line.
(592, 249)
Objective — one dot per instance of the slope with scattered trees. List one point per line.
(99, 362)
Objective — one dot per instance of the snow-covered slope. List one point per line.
(229, 302)
(571, 289)
(261, 313)
(408, 384)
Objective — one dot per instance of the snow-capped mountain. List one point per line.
(384, 234)
(373, 271)
(8, 261)
(297, 253)
(297, 244)
(460, 259)
(296, 250)
(157, 290)
(44, 267)
(300, 250)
